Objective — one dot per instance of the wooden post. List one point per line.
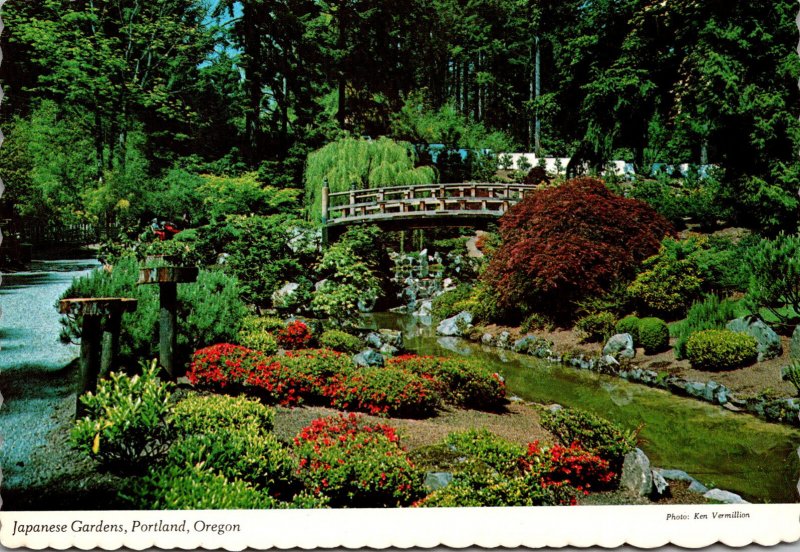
(352, 202)
(325, 200)
(442, 205)
(91, 352)
(167, 278)
(111, 343)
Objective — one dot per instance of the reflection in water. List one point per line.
(736, 452)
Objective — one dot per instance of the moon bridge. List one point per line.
(420, 206)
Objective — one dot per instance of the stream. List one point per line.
(734, 452)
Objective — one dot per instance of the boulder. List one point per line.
(697, 487)
(456, 325)
(724, 497)
(533, 345)
(388, 350)
(319, 284)
(487, 339)
(769, 343)
(424, 308)
(674, 475)
(282, 298)
(503, 339)
(374, 340)
(392, 337)
(368, 357)
(636, 473)
(437, 480)
(620, 346)
(609, 361)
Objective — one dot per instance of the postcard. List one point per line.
(359, 273)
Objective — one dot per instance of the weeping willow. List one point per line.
(353, 162)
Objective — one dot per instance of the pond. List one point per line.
(735, 452)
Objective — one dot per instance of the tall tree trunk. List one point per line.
(457, 83)
(99, 144)
(704, 151)
(537, 134)
(252, 52)
(341, 44)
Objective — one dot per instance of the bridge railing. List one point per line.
(421, 199)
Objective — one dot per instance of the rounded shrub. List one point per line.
(629, 325)
(341, 341)
(720, 350)
(258, 340)
(653, 335)
(197, 413)
(596, 327)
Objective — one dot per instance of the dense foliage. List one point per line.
(653, 335)
(720, 350)
(564, 243)
(711, 313)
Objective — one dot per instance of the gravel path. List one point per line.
(35, 372)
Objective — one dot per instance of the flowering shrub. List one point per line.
(497, 453)
(572, 466)
(222, 365)
(294, 336)
(261, 341)
(356, 464)
(341, 341)
(461, 382)
(378, 390)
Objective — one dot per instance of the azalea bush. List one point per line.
(377, 390)
(222, 365)
(459, 381)
(295, 336)
(571, 465)
(356, 464)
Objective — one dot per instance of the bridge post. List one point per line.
(325, 200)
(442, 206)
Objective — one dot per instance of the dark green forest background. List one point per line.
(114, 106)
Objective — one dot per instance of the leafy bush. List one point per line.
(629, 325)
(461, 382)
(259, 341)
(473, 489)
(255, 457)
(570, 466)
(341, 341)
(444, 305)
(125, 427)
(653, 335)
(356, 464)
(775, 277)
(497, 453)
(197, 413)
(593, 433)
(294, 336)
(210, 310)
(269, 324)
(564, 243)
(596, 327)
(667, 285)
(377, 390)
(194, 488)
(222, 365)
(720, 350)
(791, 373)
(709, 314)
(350, 286)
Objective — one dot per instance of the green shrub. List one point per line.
(459, 381)
(473, 489)
(356, 464)
(709, 314)
(197, 413)
(537, 321)
(720, 350)
(497, 453)
(667, 285)
(653, 335)
(239, 454)
(193, 488)
(775, 277)
(595, 434)
(629, 325)
(791, 373)
(258, 341)
(269, 324)
(125, 427)
(444, 305)
(341, 341)
(596, 327)
(210, 309)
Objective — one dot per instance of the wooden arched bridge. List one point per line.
(420, 206)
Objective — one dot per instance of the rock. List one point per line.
(710, 390)
(391, 337)
(503, 339)
(374, 340)
(304, 240)
(533, 345)
(424, 308)
(456, 325)
(725, 497)
(721, 396)
(697, 487)
(437, 480)
(674, 475)
(620, 346)
(636, 473)
(609, 360)
(769, 343)
(731, 407)
(455, 345)
(556, 407)
(660, 485)
(319, 284)
(487, 339)
(368, 357)
(388, 350)
(695, 389)
(282, 298)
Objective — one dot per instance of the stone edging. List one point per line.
(775, 410)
